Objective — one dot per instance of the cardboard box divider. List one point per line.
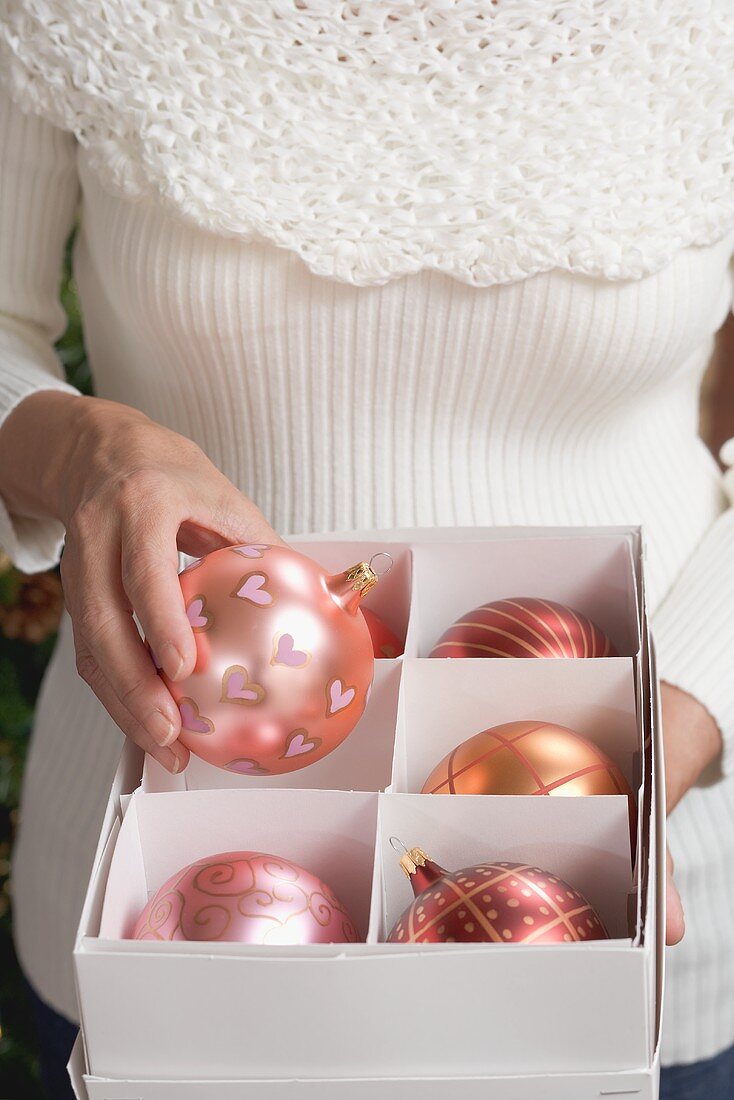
(340, 837)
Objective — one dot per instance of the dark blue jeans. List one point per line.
(709, 1080)
(56, 1037)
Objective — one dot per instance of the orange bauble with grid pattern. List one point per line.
(529, 757)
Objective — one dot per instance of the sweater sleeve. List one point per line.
(38, 199)
(693, 627)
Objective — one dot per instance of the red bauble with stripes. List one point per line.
(524, 627)
(492, 903)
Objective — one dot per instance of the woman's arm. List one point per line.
(127, 491)
(694, 639)
(692, 740)
(39, 193)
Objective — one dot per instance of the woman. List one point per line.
(364, 265)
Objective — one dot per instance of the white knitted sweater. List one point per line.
(391, 264)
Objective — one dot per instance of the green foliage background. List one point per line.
(21, 668)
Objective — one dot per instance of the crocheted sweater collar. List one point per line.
(489, 141)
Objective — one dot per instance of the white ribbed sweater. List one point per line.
(538, 362)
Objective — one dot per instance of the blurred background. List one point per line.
(30, 608)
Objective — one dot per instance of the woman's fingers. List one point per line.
(173, 757)
(675, 921)
(107, 639)
(150, 531)
(150, 578)
(226, 518)
(121, 558)
(134, 493)
(116, 648)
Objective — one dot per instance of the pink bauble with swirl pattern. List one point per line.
(246, 897)
(284, 658)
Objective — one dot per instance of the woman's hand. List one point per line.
(692, 740)
(675, 918)
(130, 493)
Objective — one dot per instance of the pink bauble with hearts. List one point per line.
(246, 897)
(284, 659)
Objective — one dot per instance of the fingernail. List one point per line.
(168, 759)
(161, 728)
(171, 660)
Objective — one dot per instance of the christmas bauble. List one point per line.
(384, 642)
(284, 659)
(245, 897)
(492, 903)
(527, 758)
(523, 627)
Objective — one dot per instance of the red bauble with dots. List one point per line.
(492, 903)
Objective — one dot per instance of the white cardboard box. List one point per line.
(582, 1086)
(577, 1020)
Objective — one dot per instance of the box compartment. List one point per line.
(443, 702)
(363, 762)
(584, 841)
(593, 575)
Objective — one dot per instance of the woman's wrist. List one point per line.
(37, 440)
(692, 740)
(47, 446)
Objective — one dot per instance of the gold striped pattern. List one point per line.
(498, 903)
(524, 627)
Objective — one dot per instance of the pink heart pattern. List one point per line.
(237, 687)
(191, 719)
(244, 766)
(298, 743)
(253, 550)
(339, 696)
(285, 652)
(250, 587)
(200, 619)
